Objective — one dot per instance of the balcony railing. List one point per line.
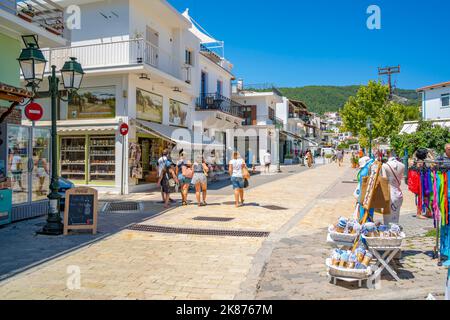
(44, 13)
(119, 54)
(215, 57)
(215, 101)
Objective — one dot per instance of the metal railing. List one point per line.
(44, 13)
(216, 101)
(118, 54)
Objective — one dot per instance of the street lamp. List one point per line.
(370, 127)
(32, 63)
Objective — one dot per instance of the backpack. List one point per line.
(187, 172)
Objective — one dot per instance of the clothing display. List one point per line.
(431, 186)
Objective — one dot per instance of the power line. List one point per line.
(389, 71)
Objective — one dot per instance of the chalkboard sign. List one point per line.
(81, 209)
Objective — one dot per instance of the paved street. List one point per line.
(294, 208)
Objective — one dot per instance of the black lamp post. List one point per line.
(32, 63)
(370, 127)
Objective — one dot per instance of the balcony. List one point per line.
(215, 101)
(43, 13)
(216, 58)
(120, 54)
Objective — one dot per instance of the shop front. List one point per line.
(143, 155)
(88, 159)
(27, 153)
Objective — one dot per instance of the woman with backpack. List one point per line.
(184, 173)
(168, 181)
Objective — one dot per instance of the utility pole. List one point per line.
(389, 71)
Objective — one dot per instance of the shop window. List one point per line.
(149, 106)
(88, 160)
(92, 103)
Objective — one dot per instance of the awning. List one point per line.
(290, 134)
(411, 127)
(72, 129)
(182, 137)
(195, 29)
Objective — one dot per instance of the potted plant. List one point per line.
(27, 13)
(355, 162)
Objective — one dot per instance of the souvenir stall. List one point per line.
(364, 248)
(428, 180)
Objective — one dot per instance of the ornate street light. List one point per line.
(72, 74)
(32, 63)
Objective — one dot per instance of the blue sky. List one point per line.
(327, 42)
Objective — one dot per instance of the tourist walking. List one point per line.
(340, 157)
(184, 174)
(167, 181)
(309, 158)
(200, 180)
(238, 172)
(161, 164)
(267, 158)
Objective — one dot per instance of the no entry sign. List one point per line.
(123, 129)
(34, 111)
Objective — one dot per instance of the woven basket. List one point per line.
(348, 273)
(341, 237)
(384, 242)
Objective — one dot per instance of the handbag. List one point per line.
(246, 184)
(245, 173)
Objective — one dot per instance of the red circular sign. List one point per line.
(123, 129)
(34, 111)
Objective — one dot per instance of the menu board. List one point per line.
(81, 209)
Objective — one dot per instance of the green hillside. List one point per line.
(321, 99)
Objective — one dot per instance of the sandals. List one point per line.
(184, 203)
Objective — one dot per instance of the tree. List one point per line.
(372, 101)
(427, 135)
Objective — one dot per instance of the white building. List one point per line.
(261, 128)
(143, 67)
(435, 106)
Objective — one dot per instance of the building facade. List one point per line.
(146, 66)
(23, 148)
(435, 106)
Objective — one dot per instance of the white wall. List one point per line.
(96, 29)
(167, 94)
(214, 73)
(282, 112)
(432, 106)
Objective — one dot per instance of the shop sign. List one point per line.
(123, 129)
(34, 111)
(80, 211)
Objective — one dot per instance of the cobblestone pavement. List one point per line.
(288, 264)
(296, 267)
(144, 265)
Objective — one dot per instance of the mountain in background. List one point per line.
(321, 99)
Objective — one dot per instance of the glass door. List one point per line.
(18, 162)
(40, 179)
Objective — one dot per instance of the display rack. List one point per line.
(102, 164)
(73, 162)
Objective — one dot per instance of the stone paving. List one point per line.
(296, 267)
(289, 264)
